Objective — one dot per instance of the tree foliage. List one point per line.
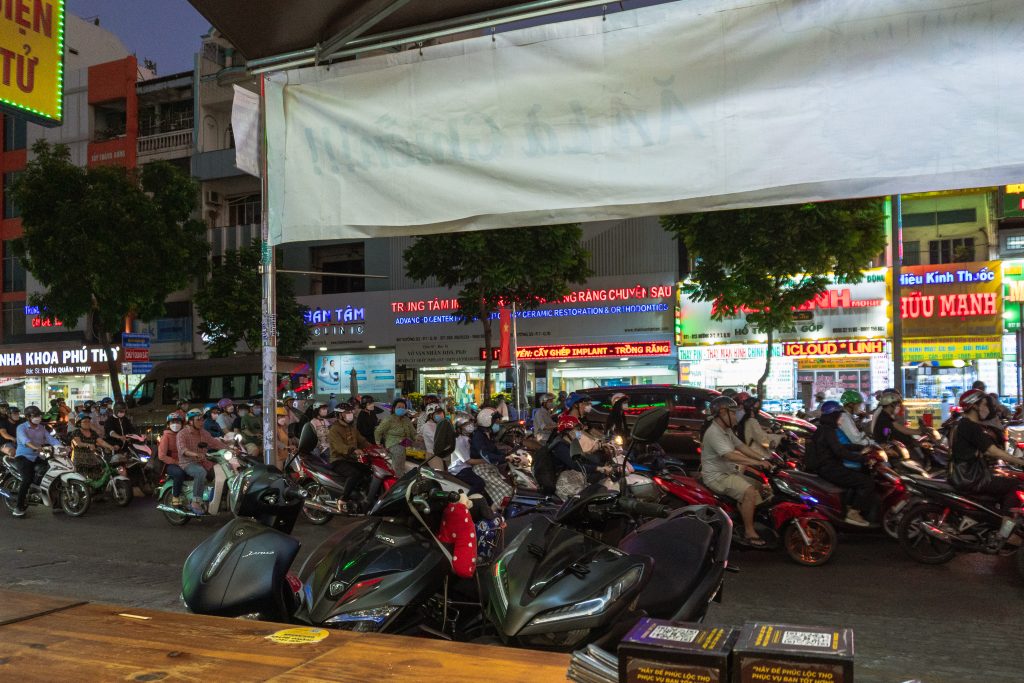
(768, 261)
(230, 303)
(106, 242)
(490, 269)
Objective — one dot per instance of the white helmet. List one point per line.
(486, 417)
(615, 398)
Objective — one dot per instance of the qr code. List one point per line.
(807, 639)
(680, 635)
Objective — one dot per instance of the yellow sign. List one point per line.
(1015, 189)
(838, 363)
(32, 57)
(943, 350)
(298, 636)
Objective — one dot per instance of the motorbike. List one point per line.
(102, 476)
(941, 522)
(60, 486)
(135, 456)
(227, 465)
(574, 580)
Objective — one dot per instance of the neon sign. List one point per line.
(32, 50)
(863, 347)
(336, 316)
(947, 276)
(584, 351)
(916, 305)
(581, 296)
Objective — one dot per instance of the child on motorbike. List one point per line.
(463, 461)
(842, 465)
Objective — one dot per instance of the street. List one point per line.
(937, 624)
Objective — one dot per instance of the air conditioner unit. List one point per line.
(211, 197)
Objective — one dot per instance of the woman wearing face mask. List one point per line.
(615, 425)
(395, 433)
(366, 420)
(283, 440)
(482, 445)
(321, 424)
(462, 458)
(226, 419)
(435, 416)
(347, 444)
(168, 455)
(250, 427)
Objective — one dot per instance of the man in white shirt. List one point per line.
(722, 456)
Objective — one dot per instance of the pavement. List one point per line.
(948, 624)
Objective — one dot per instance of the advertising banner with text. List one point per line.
(953, 299)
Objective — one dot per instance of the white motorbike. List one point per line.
(60, 488)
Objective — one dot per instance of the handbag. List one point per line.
(968, 475)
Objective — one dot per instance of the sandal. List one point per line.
(756, 542)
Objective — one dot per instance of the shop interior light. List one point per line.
(1009, 315)
(958, 363)
(455, 365)
(323, 348)
(372, 346)
(562, 360)
(624, 359)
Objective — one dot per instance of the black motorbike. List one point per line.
(941, 522)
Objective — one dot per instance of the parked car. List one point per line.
(686, 406)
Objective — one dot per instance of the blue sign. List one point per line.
(135, 341)
(141, 368)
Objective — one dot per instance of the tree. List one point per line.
(522, 266)
(230, 303)
(108, 243)
(768, 261)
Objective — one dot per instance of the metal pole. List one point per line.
(267, 266)
(1020, 349)
(515, 361)
(896, 308)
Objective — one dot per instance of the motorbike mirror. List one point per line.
(444, 439)
(651, 425)
(307, 438)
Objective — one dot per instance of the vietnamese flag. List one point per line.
(505, 329)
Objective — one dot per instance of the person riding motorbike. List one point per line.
(395, 433)
(167, 453)
(31, 437)
(211, 422)
(578, 405)
(226, 418)
(86, 438)
(482, 444)
(430, 402)
(463, 461)
(889, 427)
(193, 441)
(543, 423)
(434, 416)
(321, 424)
(346, 445)
(251, 428)
(752, 433)
(366, 420)
(849, 432)
(7, 430)
(722, 454)
(972, 447)
(842, 465)
(118, 426)
(615, 424)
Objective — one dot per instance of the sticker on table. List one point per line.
(298, 636)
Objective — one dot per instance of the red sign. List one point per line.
(583, 351)
(40, 321)
(505, 330)
(859, 347)
(135, 355)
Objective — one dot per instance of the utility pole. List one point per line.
(269, 307)
(896, 313)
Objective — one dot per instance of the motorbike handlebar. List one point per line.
(639, 507)
(294, 494)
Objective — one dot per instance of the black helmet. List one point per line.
(54, 402)
(751, 403)
(120, 406)
(33, 411)
(367, 399)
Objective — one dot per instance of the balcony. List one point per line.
(170, 144)
(214, 165)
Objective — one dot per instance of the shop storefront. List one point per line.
(837, 342)
(73, 372)
(614, 331)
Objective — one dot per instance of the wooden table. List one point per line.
(17, 606)
(104, 642)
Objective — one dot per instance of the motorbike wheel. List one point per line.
(75, 498)
(823, 539)
(920, 546)
(123, 493)
(318, 494)
(891, 523)
(10, 484)
(173, 519)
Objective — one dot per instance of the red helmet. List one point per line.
(971, 398)
(567, 423)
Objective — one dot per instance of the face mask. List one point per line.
(438, 418)
(103, 411)
(399, 412)
(348, 417)
(495, 428)
(121, 414)
(36, 420)
(282, 421)
(587, 408)
(257, 411)
(175, 427)
(577, 435)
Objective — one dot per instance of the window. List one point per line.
(689, 405)
(14, 272)
(1014, 242)
(958, 250)
(911, 253)
(245, 210)
(143, 394)
(15, 133)
(340, 258)
(228, 386)
(14, 320)
(929, 219)
(192, 389)
(10, 210)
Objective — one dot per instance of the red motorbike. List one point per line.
(785, 517)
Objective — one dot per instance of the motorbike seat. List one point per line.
(679, 549)
(814, 481)
(936, 484)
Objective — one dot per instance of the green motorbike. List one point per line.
(101, 476)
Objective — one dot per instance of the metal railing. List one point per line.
(163, 142)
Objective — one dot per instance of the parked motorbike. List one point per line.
(60, 486)
(228, 464)
(563, 583)
(941, 522)
(101, 475)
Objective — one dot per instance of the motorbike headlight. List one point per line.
(228, 456)
(363, 619)
(500, 570)
(589, 608)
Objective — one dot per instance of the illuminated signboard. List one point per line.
(952, 299)
(583, 296)
(584, 351)
(32, 51)
(859, 347)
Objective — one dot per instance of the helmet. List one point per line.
(486, 417)
(54, 403)
(33, 411)
(463, 419)
(850, 397)
(574, 398)
(819, 396)
(829, 407)
(223, 403)
(106, 400)
(88, 405)
(120, 406)
(84, 416)
(750, 403)
(617, 397)
(741, 398)
(890, 397)
(972, 398)
(193, 414)
(720, 403)
(546, 397)
(182, 402)
(567, 423)
(345, 407)
(174, 417)
(366, 399)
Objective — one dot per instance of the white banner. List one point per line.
(704, 104)
(245, 126)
